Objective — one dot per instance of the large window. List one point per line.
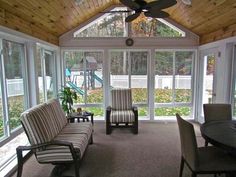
(46, 68)
(13, 56)
(173, 82)
(128, 69)
(84, 75)
(13, 97)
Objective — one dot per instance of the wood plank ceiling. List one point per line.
(48, 19)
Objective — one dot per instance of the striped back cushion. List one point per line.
(38, 124)
(121, 99)
(57, 113)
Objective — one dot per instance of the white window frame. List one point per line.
(193, 83)
(8, 134)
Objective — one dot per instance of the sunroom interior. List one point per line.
(174, 64)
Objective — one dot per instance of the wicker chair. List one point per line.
(216, 112)
(202, 160)
(121, 113)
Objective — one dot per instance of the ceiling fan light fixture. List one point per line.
(187, 2)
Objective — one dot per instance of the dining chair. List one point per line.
(216, 112)
(202, 160)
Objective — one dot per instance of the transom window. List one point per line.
(113, 25)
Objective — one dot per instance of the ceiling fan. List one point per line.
(152, 9)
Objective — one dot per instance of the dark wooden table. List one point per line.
(84, 116)
(221, 134)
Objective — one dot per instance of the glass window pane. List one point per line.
(163, 77)
(98, 112)
(14, 67)
(139, 76)
(183, 76)
(74, 72)
(84, 75)
(119, 69)
(109, 25)
(1, 115)
(143, 111)
(94, 78)
(46, 74)
(50, 74)
(152, 27)
(209, 69)
(40, 75)
(171, 111)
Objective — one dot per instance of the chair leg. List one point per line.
(206, 143)
(91, 139)
(20, 162)
(181, 167)
(135, 128)
(108, 128)
(77, 169)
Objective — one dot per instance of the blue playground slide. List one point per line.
(98, 79)
(75, 88)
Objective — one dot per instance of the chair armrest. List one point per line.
(135, 108)
(108, 108)
(33, 148)
(20, 149)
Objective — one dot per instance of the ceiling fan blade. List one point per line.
(156, 14)
(116, 11)
(161, 4)
(132, 17)
(131, 4)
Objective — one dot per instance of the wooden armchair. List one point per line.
(121, 113)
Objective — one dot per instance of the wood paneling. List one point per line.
(222, 33)
(49, 19)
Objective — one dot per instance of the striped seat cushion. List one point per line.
(60, 153)
(122, 116)
(121, 99)
(78, 128)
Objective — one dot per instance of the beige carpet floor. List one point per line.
(154, 152)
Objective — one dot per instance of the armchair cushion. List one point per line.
(122, 116)
(121, 99)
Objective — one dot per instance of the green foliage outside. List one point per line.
(183, 111)
(140, 96)
(16, 107)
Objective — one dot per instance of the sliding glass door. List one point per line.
(173, 83)
(13, 55)
(128, 69)
(207, 80)
(46, 69)
(84, 74)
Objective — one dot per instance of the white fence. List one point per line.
(15, 87)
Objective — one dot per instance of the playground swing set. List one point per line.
(91, 76)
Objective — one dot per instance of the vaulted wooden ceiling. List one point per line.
(49, 19)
